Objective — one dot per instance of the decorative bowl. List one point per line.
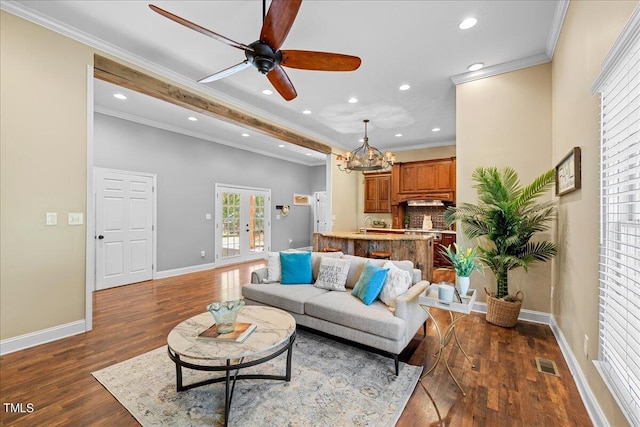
(225, 314)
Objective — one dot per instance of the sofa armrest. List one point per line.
(259, 275)
(408, 309)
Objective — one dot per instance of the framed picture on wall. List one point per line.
(568, 173)
(302, 199)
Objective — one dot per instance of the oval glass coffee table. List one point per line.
(274, 334)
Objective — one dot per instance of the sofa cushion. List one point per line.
(370, 283)
(296, 268)
(286, 297)
(333, 274)
(347, 310)
(397, 283)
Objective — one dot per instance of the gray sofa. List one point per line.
(343, 315)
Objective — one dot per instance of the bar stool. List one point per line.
(380, 255)
(332, 250)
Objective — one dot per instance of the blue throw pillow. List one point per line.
(370, 283)
(296, 268)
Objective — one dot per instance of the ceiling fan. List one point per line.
(265, 53)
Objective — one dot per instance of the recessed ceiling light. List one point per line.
(468, 23)
(353, 100)
(306, 112)
(193, 119)
(281, 145)
(245, 135)
(267, 92)
(404, 87)
(475, 67)
(308, 154)
(398, 135)
(435, 130)
(119, 96)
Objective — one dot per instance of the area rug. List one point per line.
(332, 384)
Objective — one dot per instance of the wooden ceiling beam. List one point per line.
(121, 75)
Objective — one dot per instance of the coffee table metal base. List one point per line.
(228, 378)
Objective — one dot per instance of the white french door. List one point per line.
(124, 228)
(320, 212)
(243, 223)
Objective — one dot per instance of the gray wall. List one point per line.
(187, 170)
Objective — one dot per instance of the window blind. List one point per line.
(619, 265)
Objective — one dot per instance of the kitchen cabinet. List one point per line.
(377, 193)
(428, 177)
(440, 260)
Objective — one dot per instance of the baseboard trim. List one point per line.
(526, 315)
(184, 270)
(44, 336)
(593, 408)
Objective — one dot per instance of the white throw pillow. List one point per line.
(397, 283)
(333, 274)
(274, 273)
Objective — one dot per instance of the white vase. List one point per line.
(463, 285)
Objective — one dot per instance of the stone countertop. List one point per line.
(376, 235)
(407, 230)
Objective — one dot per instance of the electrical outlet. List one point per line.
(290, 242)
(202, 254)
(585, 346)
(51, 218)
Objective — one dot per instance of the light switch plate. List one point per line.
(51, 218)
(207, 216)
(75, 218)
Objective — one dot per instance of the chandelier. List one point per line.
(365, 157)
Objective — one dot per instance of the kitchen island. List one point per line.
(417, 248)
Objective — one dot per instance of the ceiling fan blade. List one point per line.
(321, 61)
(199, 29)
(227, 72)
(281, 83)
(278, 22)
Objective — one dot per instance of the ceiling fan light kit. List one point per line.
(265, 54)
(365, 157)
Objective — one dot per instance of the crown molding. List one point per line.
(505, 67)
(176, 129)
(22, 11)
(556, 27)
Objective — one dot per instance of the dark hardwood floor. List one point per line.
(504, 389)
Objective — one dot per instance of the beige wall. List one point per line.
(506, 121)
(590, 29)
(43, 159)
(344, 197)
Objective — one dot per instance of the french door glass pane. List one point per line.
(230, 224)
(256, 219)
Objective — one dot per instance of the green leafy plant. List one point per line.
(505, 219)
(464, 262)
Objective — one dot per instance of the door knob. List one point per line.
(101, 237)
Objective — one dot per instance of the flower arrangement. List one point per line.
(464, 262)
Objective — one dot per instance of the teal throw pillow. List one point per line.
(296, 268)
(370, 283)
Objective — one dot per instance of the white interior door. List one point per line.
(124, 228)
(242, 223)
(320, 214)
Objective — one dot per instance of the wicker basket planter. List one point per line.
(503, 313)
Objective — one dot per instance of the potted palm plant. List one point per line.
(505, 219)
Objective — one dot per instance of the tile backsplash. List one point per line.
(416, 215)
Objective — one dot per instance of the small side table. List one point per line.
(457, 311)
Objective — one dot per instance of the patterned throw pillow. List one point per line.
(333, 274)
(397, 283)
